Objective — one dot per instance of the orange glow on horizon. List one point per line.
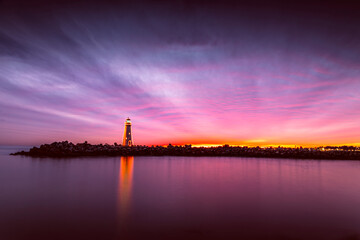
(259, 144)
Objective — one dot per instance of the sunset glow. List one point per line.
(237, 79)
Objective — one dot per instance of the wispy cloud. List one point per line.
(182, 75)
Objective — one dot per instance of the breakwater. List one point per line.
(67, 149)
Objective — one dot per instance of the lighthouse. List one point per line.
(127, 140)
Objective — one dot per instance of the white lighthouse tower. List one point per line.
(127, 140)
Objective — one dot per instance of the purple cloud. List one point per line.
(183, 73)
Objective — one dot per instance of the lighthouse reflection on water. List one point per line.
(124, 190)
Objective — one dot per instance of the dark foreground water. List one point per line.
(178, 198)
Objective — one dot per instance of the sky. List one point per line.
(185, 72)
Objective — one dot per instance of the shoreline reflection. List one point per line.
(125, 189)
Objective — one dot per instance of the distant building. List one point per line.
(127, 140)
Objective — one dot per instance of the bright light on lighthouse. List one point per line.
(127, 139)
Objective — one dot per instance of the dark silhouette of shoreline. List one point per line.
(67, 149)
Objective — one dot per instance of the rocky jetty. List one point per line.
(67, 149)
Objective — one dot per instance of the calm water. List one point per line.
(178, 198)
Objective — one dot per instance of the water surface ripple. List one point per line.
(178, 198)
